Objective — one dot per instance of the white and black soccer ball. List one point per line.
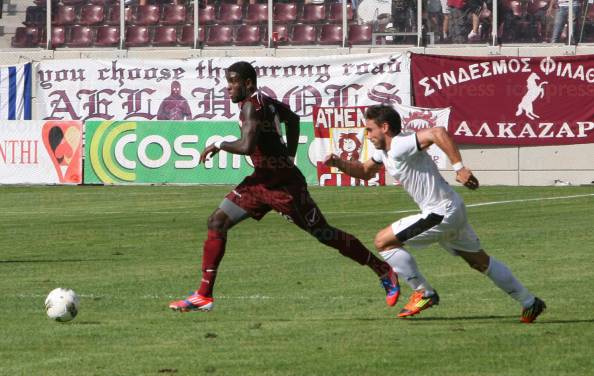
(62, 304)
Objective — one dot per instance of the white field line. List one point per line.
(173, 297)
(181, 210)
(469, 205)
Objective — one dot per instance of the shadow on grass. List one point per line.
(49, 261)
(493, 317)
(460, 318)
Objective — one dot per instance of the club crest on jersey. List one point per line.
(417, 120)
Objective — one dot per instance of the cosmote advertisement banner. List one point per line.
(510, 100)
(145, 152)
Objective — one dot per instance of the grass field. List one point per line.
(285, 305)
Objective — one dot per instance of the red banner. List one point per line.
(510, 100)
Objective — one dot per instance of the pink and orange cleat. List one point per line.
(194, 302)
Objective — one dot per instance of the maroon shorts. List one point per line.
(292, 200)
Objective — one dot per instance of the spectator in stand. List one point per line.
(404, 14)
(476, 7)
(562, 16)
(461, 11)
(434, 15)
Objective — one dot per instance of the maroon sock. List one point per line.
(214, 249)
(351, 247)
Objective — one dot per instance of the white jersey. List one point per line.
(417, 173)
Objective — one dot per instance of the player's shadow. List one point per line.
(498, 317)
(55, 260)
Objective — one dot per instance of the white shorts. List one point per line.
(454, 233)
(444, 7)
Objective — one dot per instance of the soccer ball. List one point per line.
(61, 304)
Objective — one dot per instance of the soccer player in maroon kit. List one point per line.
(276, 184)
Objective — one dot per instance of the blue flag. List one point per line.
(15, 92)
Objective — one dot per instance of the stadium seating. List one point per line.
(73, 2)
(137, 36)
(331, 34)
(64, 15)
(165, 36)
(219, 35)
(103, 2)
(58, 36)
(173, 14)
(91, 14)
(335, 12)
(80, 36)
(114, 15)
(206, 15)
(146, 15)
(187, 35)
(285, 12)
(248, 35)
(313, 13)
(107, 36)
(256, 13)
(26, 37)
(359, 34)
(230, 13)
(303, 34)
(280, 34)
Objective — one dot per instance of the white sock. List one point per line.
(405, 265)
(500, 274)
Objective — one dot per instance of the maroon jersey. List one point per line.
(271, 159)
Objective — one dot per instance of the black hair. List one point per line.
(245, 70)
(382, 113)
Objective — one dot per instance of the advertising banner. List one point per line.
(195, 89)
(415, 119)
(341, 131)
(146, 152)
(15, 92)
(41, 152)
(510, 100)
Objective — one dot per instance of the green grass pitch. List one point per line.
(285, 304)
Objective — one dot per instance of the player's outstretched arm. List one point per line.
(440, 137)
(356, 169)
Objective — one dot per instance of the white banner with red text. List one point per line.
(196, 89)
(41, 152)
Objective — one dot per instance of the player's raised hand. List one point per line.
(208, 153)
(330, 160)
(465, 177)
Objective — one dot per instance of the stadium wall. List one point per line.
(547, 165)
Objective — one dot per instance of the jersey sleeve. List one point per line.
(403, 147)
(377, 156)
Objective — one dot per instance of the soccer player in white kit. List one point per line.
(443, 214)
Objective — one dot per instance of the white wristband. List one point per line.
(457, 166)
(218, 143)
